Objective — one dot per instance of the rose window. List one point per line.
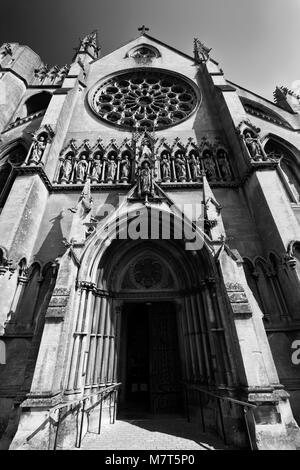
(144, 99)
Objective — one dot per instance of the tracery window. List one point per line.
(144, 99)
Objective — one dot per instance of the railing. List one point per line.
(110, 392)
(246, 407)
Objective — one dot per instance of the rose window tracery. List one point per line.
(147, 273)
(144, 99)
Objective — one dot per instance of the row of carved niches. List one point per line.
(182, 167)
(118, 165)
(143, 99)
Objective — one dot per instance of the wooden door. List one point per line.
(164, 360)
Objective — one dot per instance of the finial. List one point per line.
(201, 52)
(143, 29)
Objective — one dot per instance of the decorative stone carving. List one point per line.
(53, 75)
(81, 169)
(7, 265)
(111, 169)
(38, 148)
(40, 139)
(147, 273)
(115, 164)
(143, 54)
(97, 169)
(90, 42)
(254, 147)
(165, 166)
(145, 180)
(289, 257)
(224, 166)
(209, 165)
(125, 168)
(41, 72)
(201, 52)
(6, 50)
(194, 167)
(180, 164)
(67, 168)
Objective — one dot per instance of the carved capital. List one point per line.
(87, 285)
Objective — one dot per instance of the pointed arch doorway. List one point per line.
(156, 321)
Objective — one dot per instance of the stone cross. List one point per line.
(143, 29)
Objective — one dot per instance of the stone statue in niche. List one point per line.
(125, 168)
(165, 167)
(111, 169)
(81, 169)
(209, 166)
(224, 165)
(254, 147)
(146, 151)
(97, 169)
(194, 167)
(145, 180)
(38, 149)
(180, 165)
(66, 169)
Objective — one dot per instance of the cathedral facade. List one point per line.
(150, 241)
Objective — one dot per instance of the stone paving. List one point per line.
(152, 434)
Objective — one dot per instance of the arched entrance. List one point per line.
(155, 320)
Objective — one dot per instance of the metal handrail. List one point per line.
(104, 393)
(245, 405)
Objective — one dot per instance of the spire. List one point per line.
(88, 45)
(213, 223)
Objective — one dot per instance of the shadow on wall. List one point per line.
(21, 339)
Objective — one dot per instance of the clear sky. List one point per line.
(256, 42)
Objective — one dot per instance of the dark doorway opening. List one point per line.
(150, 358)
